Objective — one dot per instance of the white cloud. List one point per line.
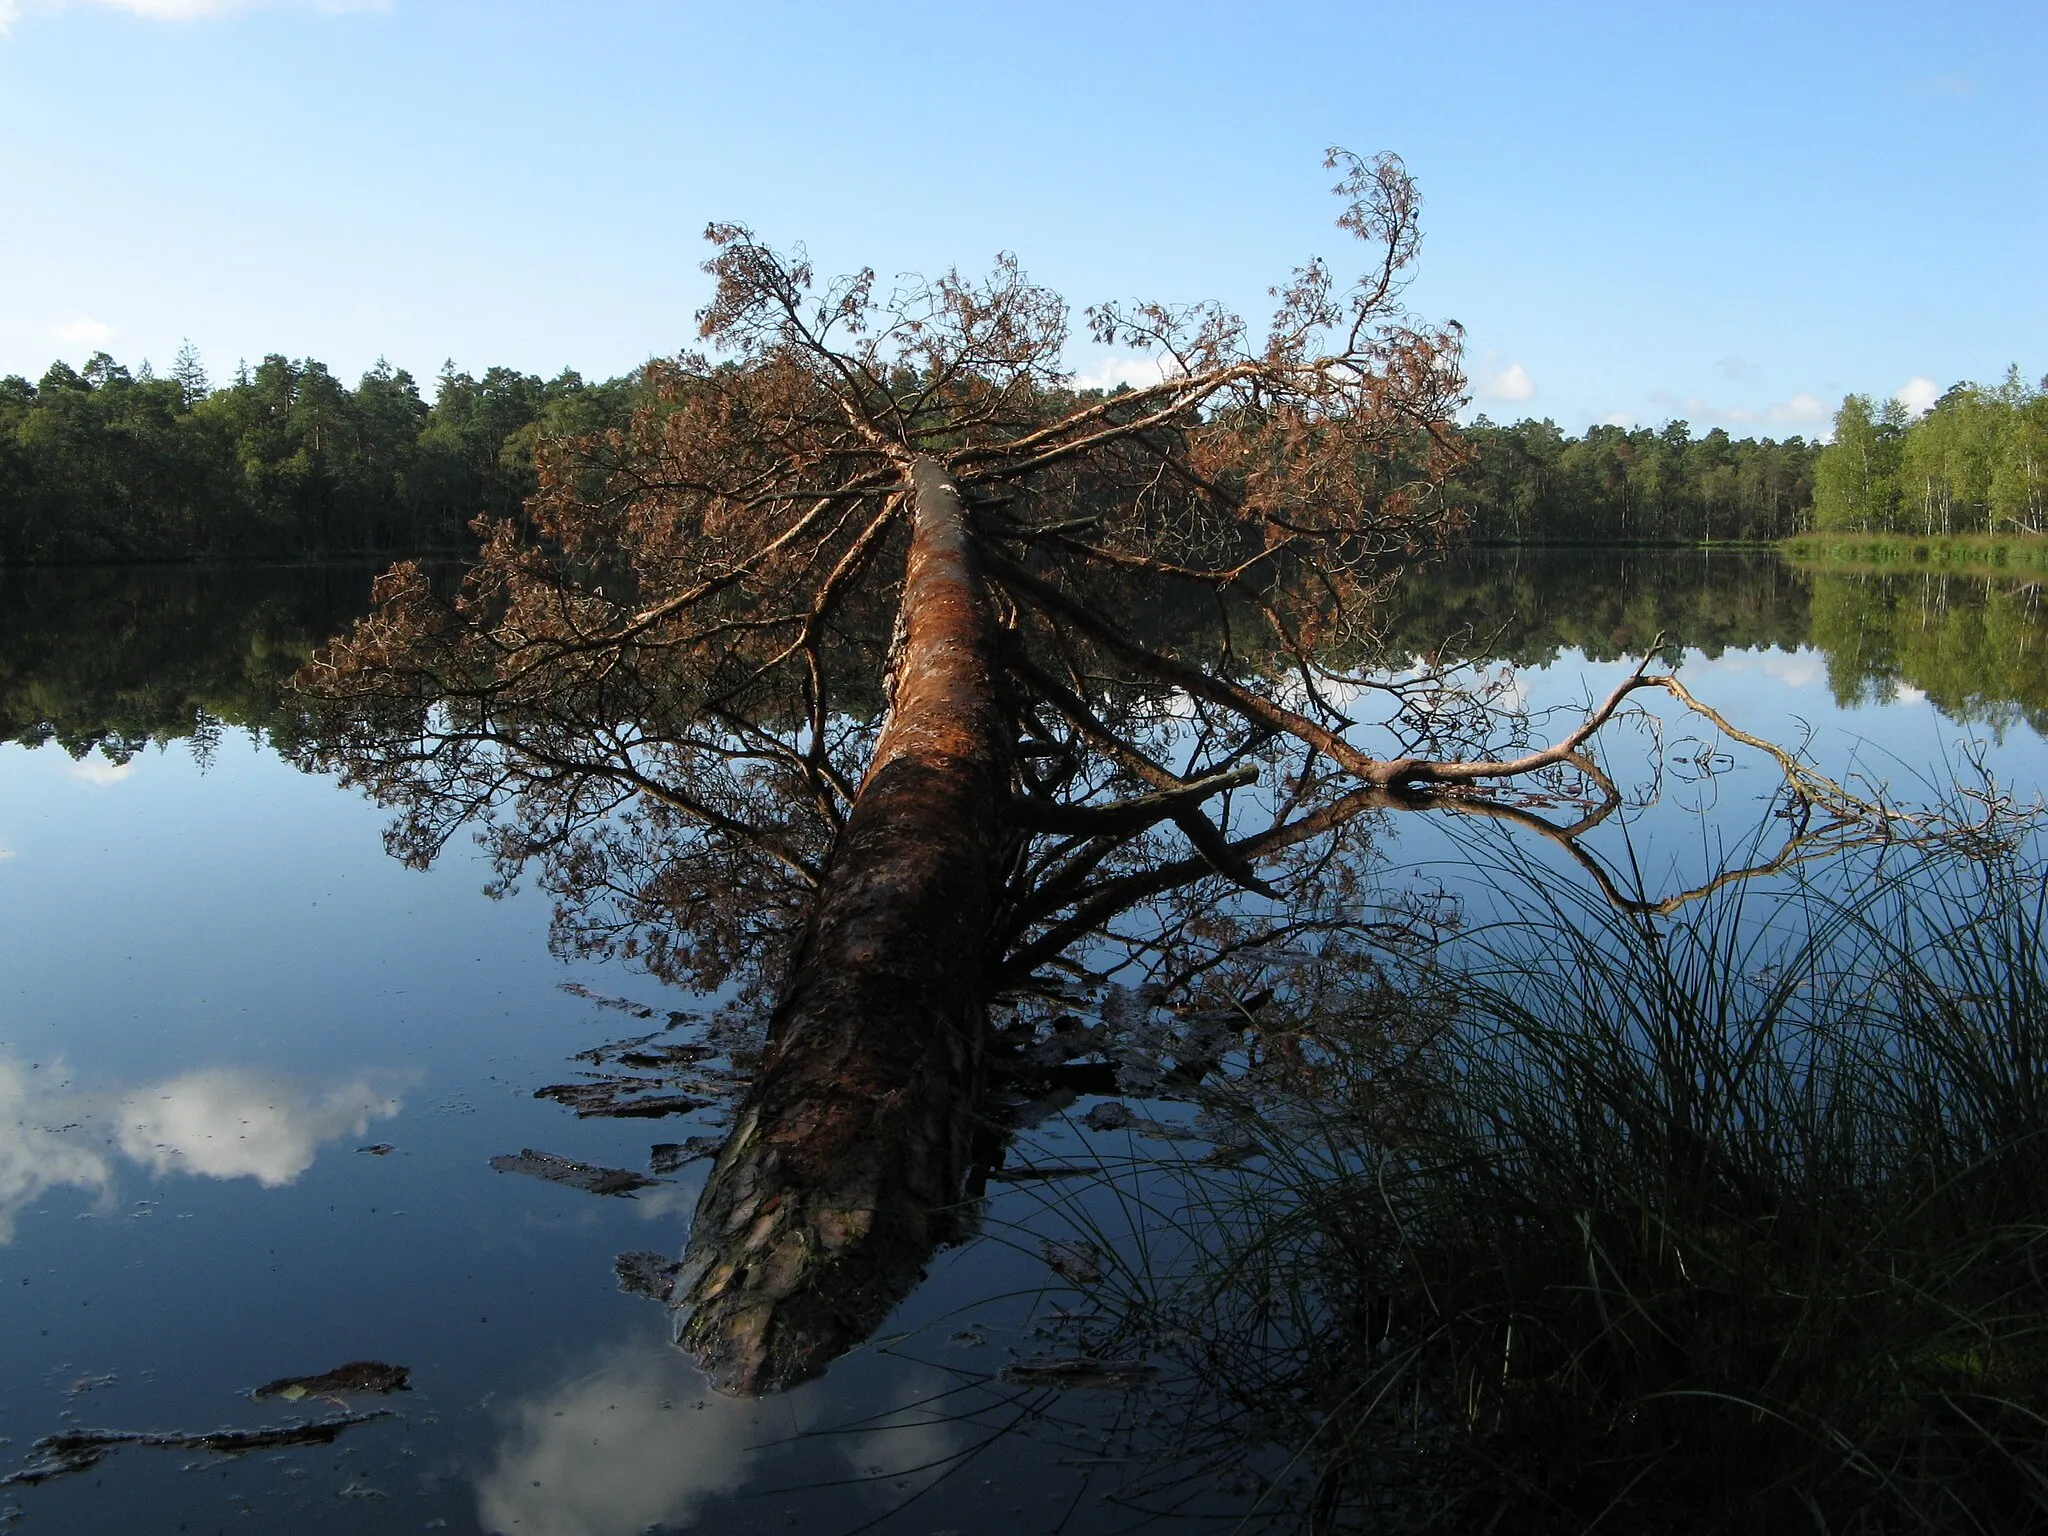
(12, 11)
(169, 10)
(227, 1123)
(35, 1155)
(1918, 394)
(1138, 370)
(81, 332)
(1509, 383)
(1946, 85)
(1617, 419)
(96, 769)
(1801, 409)
(1804, 409)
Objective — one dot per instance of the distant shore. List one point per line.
(1975, 553)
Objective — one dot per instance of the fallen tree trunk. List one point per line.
(845, 1165)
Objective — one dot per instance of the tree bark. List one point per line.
(846, 1163)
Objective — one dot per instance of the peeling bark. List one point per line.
(846, 1164)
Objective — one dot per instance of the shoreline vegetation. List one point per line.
(1975, 554)
(1636, 1200)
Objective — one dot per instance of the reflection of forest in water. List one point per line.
(1362, 1233)
(1972, 646)
(125, 655)
(120, 656)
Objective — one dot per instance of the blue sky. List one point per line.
(1731, 214)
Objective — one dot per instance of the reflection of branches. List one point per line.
(1803, 845)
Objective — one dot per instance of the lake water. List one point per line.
(254, 1072)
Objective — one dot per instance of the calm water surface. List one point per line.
(253, 1074)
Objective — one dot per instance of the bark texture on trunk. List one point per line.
(845, 1166)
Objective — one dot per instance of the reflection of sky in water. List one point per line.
(36, 1156)
(634, 1443)
(227, 1124)
(219, 983)
(219, 1123)
(638, 1443)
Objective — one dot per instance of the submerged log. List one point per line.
(847, 1160)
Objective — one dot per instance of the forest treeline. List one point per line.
(1977, 462)
(1529, 483)
(287, 461)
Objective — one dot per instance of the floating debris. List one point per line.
(623, 1005)
(1110, 1116)
(1078, 1262)
(664, 1057)
(611, 1097)
(1113, 1116)
(1079, 1371)
(563, 1170)
(1131, 1007)
(356, 1376)
(1231, 1154)
(76, 1450)
(652, 1275)
(1025, 1173)
(642, 1054)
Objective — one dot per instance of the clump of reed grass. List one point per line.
(1735, 1219)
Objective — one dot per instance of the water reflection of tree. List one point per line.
(1974, 646)
(1528, 606)
(692, 840)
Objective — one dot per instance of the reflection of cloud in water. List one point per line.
(625, 1447)
(34, 1156)
(1795, 669)
(221, 1123)
(667, 1202)
(227, 1123)
(96, 769)
(620, 1449)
